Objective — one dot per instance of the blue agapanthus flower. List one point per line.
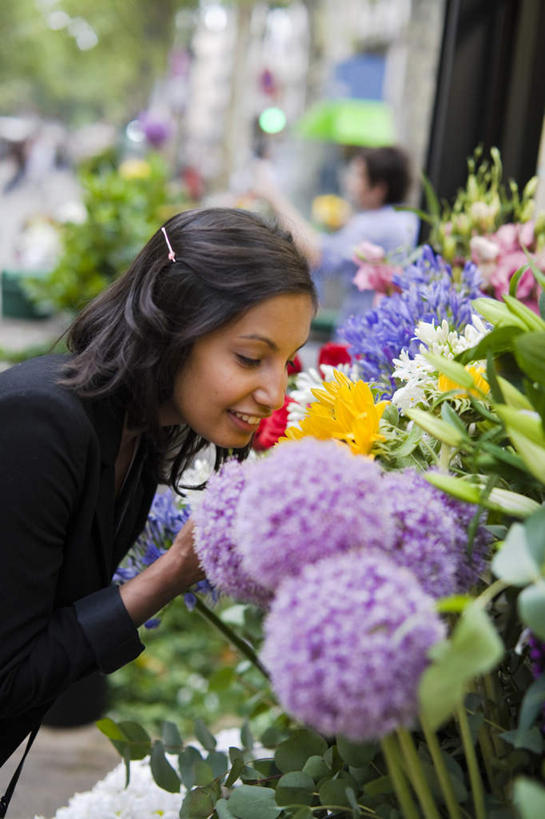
(165, 519)
(430, 291)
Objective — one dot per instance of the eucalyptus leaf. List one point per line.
(218, 763)
(292, 754)
(316, 767)
(187, 761)
(514, 561)
(531, 608)
(532, 703)
(199, 803)
(222, 809)
(171, 737)
(295, 788)
(235, 772)
(207, 740)
(246, 737)
(138, 739)
(162, 771)
(251, 801)
(529, 798)
(357, 754)
(203, 773)
(531, 739)
(333, 792)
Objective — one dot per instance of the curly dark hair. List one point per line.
(131, 340)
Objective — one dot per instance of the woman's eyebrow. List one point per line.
(257, 337)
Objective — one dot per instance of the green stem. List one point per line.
(406, 803)
(472, 764)
(441, 770)
(416, 775)
(233, 638)
(492, 591)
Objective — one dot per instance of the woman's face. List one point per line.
(237, 375)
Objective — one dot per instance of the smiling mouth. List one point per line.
(253, 420)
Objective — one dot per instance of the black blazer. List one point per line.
(60, 542)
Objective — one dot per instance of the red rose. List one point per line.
(334, 354)
(296, 367)
(272, 428)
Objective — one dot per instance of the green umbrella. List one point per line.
(349, 122)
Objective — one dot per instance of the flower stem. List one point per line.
(441, 771)
(406, 803)
(472, 764)
(244, 647)
(416, 775)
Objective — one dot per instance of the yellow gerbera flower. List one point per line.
(346, 411)
(445, 384)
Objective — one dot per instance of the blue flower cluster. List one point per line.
(430, 291)
(166, 518)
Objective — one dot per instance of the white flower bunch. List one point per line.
(418, 375)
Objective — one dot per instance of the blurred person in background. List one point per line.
(376, 180)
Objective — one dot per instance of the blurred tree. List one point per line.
(80, 60)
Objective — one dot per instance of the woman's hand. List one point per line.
(166, 578)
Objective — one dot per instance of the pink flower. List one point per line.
(527, 234)
(368, 252)
(506, 237)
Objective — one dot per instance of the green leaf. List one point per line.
(203, 773)
(452, 369)
(497, 313)
(207, 740)
(473, 649)
(295, 788)
(438, 429)
(530, 739)
(171, 738)
(251, 802)
(187, 761)
(531, 608)
(292, 754)
(514, 280)
(513, 397)
(246, 737)
(139, 742)
(162, 771)
(532, 322)
(358, 754)
(302, 813)
(110, 729)
(457, 487)
(499, 340)
(514, 562)
(235, 772)
(529, 351)
(199, 803)
(218, 763)
(333, 792)
(529, 798)
(382, 784)
(316, 767)
(221, 679)
(453, 604)
(511, 503)
(222, 809)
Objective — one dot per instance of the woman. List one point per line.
(189, 347)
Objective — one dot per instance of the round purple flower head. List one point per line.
(346, 643)
(307, 500)
(472, 559)
(424, 536)
(214, 544)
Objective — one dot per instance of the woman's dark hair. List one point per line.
(133, 338)
(388, 164)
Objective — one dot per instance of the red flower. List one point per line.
(296, 367)
(334, 354)
(272, 428)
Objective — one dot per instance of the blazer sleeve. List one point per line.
(45, 443)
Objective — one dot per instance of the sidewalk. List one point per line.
(61, 762)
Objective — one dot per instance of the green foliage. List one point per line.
(124, 206)
(44, 70)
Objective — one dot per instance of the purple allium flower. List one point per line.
(430, 292)
(307, 500)
(214, 543)
(432, 535)
(346, 643)
(424, 540)
(472, 558)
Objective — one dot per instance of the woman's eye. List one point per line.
(246, 361)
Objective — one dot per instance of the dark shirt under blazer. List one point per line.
(60, 542)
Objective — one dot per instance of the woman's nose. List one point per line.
(272, 390)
